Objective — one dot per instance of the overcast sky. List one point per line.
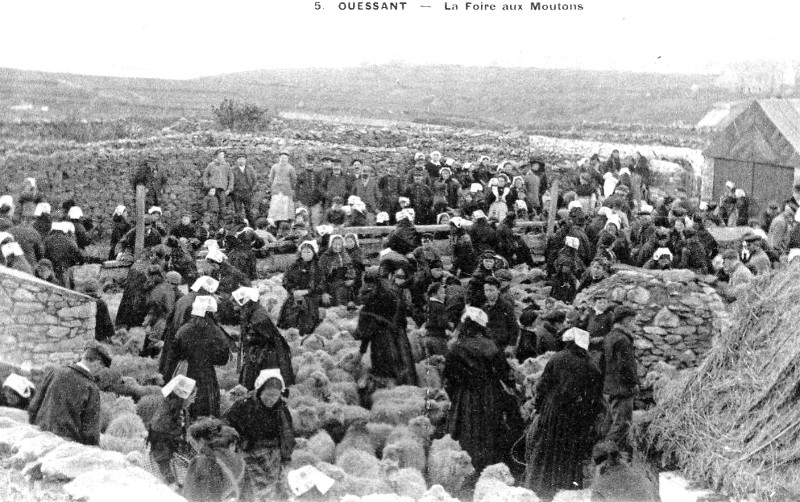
(184, 39)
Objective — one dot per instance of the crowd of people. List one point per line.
(612, 215)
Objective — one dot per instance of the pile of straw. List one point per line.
(735, 421)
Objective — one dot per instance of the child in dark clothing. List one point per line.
(168, 426)
(436, 323)
(526, 345)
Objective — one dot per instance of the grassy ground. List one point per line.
(523, 97)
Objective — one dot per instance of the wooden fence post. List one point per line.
(551, 216)
(138, 249)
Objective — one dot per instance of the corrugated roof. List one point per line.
(785, 114)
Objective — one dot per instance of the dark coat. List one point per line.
(405, 238)
(30, 241)
(390, 186)
(473, 370)
(264, 348)
(203, 345)
(258, 425)
(483, 236)
(180, 315)
(63, 253)
(381, 327)
(121, 227)
(68, 404)
(502, 327)
(81, 237)
(43, 225)
(336, 186)
(244, 259)
(465, 259)
(133, 306)
(103, 325)
(568, 401)
(693, 256)
(230, 279)
(619, 364)
(308, 189)
(304, 314)
(475, 295)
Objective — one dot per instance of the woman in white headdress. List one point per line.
(17, 392)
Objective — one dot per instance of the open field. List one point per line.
(530, 98)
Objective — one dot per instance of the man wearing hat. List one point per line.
(739, 276)
(483, 236)
(390, 185)
(218, 179)
(621, 380)
(420, 196)
(152, 178)
(759, 262)
(780, 229)
(405, 238)
(68, 403)
(308, 191)
(366, 189)
(335, 184)
(244, 184)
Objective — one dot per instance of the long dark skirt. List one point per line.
(302, 314)
(133, 306)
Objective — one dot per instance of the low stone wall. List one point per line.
(41, 323)
(678, 315)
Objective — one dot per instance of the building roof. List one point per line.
(767, 131)
(721, 114)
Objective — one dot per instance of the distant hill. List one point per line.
(481, 96)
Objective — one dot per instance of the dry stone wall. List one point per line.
(678, 315)
(40, 323)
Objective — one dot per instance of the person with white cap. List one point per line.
(433, 165)
(446, 191)
(621, 379)
(12, 256)
(230, 279)
(44, 222)
(203, 345)
(68, 401)
(477, 378)
(17, 392)
(7, 207)
(483, 235)
(180, 315)
(166, 431)
(75, 216)
(464, 257)
(62, 252)
(121, 226)
(568, 401)
(263, 346)
(266, 431)
(661, 260)
(305, 283)
(405, 238)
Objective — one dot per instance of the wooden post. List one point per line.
(551, 217)
(138, 249)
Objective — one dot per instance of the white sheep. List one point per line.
(496, 484)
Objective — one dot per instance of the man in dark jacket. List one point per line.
(309, 192)
(68, 401)
(620, 380)
(245, 180)
(335, 184)
(502, 327)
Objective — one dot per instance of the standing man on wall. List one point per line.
(218, 180)
(245, 180)
(309, 191)
(68, 403)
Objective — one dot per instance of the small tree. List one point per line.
(240, 116)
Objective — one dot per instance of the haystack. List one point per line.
(734, 421)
